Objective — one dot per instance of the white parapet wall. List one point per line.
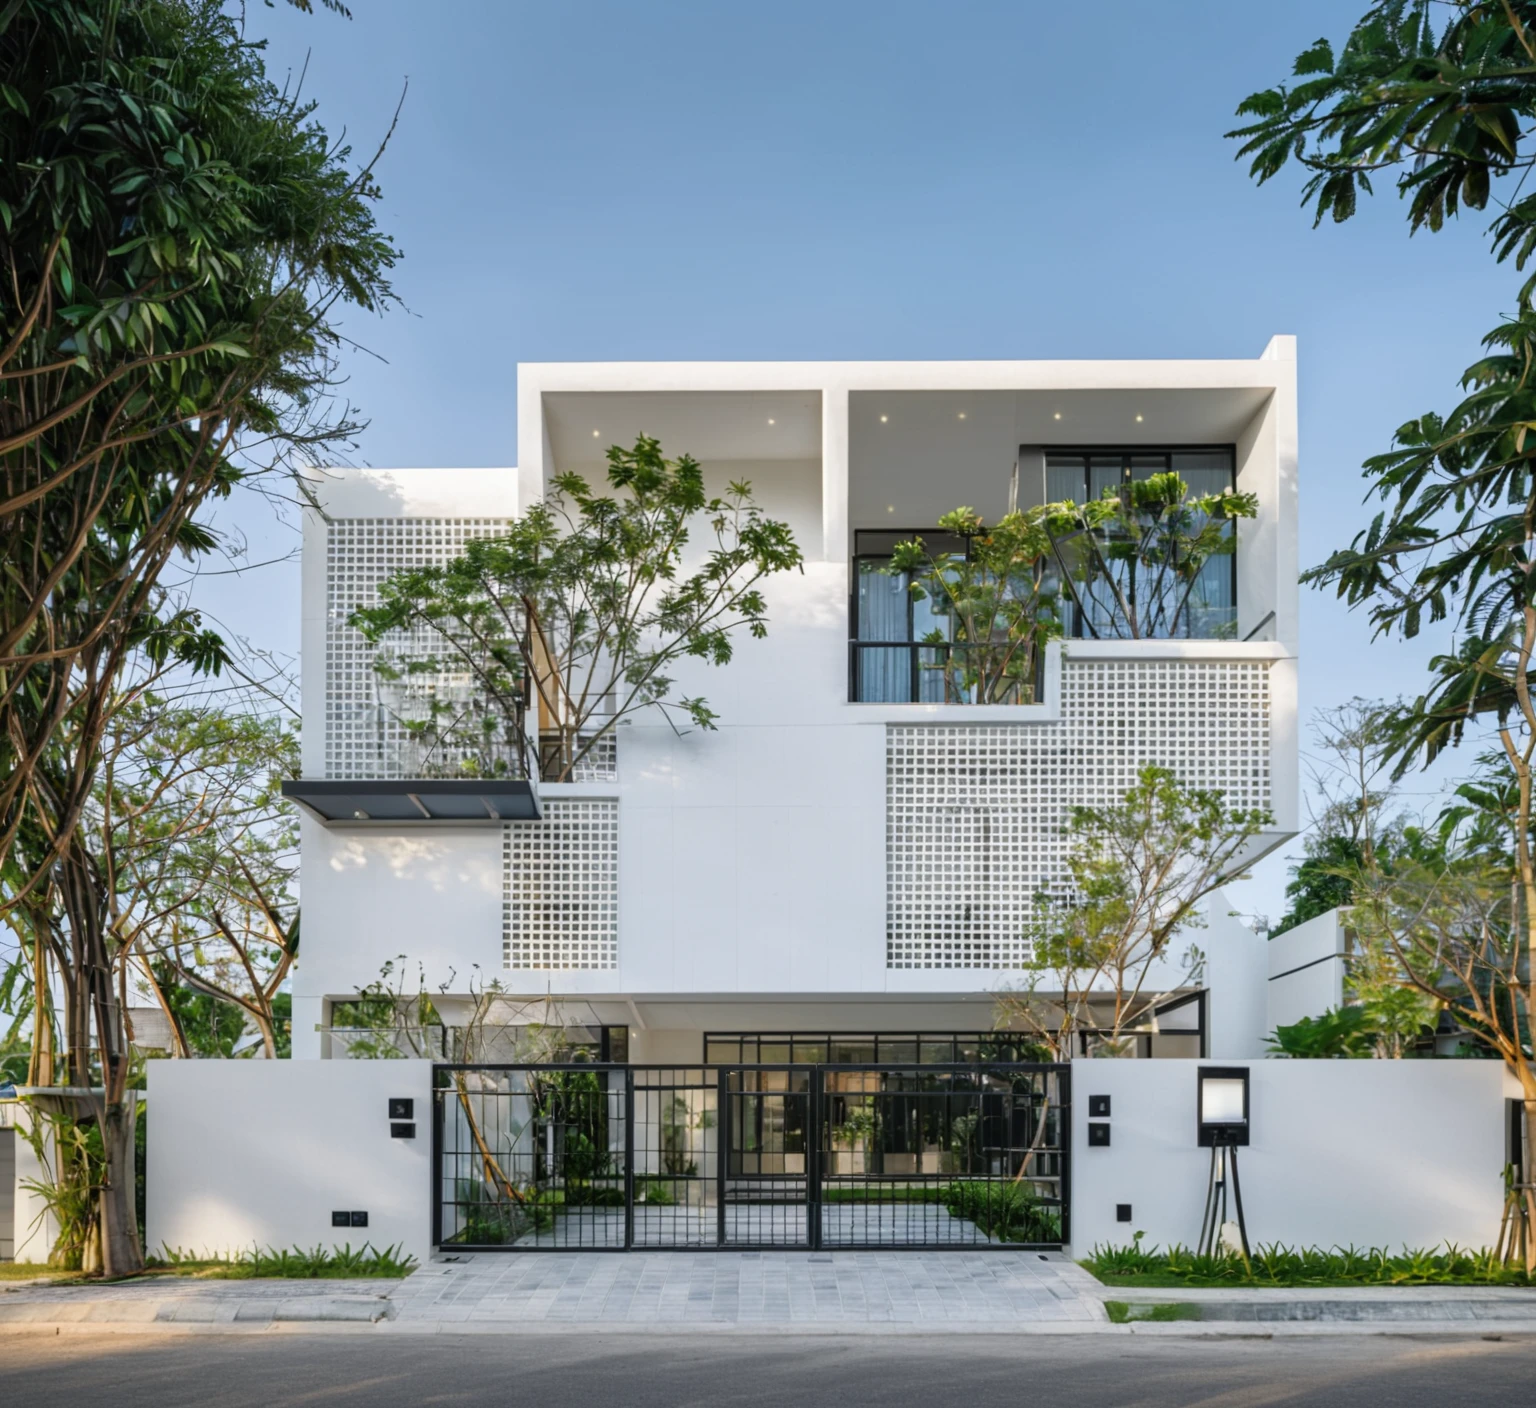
(248, 1154)
(1306, 970)
(1362, 1153)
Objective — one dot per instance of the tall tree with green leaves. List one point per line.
(1440, 98)
(581, 610)
(178, 239)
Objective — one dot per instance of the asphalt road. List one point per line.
(570, 1371)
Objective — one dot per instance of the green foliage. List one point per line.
(73, 1161)
(1122, 1313)
(297, 1263)
(1321, 882)
(585, 604)
(1341, 1032)
(1131, 559)
(998, 602)
(1006, 1212)
(1448, 111)
(1277, 1265)
(178, 238)
(1137, 872)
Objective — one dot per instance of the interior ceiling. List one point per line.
(709, 425)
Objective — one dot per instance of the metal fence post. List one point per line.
(723, 1144)
(813, 1160)
(629, 1158)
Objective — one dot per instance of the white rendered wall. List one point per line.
(752, 859)
(260, 1153)
(1306, 971)
(1363, 1153)
(1234, 973)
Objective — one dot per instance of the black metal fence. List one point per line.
(598, 1156)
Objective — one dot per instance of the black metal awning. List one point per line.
(416, 800)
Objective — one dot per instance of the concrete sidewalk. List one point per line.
(821, 1290)
(183, 1300)
(755, 1293)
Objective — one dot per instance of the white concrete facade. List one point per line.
(752, 862)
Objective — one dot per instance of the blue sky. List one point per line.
(605, 181)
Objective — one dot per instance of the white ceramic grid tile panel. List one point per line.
(974, 812)
(560, 898)
(362, 740)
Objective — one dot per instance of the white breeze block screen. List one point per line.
(974, 812)
(362, 737)
(561, 897)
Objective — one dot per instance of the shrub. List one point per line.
(1006, 1212)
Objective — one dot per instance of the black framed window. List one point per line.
(1081, 475)
(889, 666)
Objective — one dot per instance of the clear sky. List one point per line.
(845, 179)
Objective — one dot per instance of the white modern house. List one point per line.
(842, 860)
(775, 947)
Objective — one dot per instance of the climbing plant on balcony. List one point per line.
(1132, 560)
(580, 612)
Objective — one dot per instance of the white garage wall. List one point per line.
(1369, 1153)
(259, 1153)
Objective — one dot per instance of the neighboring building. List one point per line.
(841, 862)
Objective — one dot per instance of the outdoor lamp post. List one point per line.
(1222, 1115)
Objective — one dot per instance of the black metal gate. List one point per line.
(562, 1157)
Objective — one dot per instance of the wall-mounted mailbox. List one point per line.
(1098, 1107)
(359, 1219)
(1098, 1135)
(402, 1131)
(349, 1219)
(400, 1109)
(1122, 1212)
(1222, 1107)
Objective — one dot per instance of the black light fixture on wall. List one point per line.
(1222, 1115)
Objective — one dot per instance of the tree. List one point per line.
(199, 858)
(997, 600)
(178, 239)
(1131, 560)
(1137, 874)
(1448, 111)
(580, 609)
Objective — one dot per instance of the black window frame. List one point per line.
(1127, 453)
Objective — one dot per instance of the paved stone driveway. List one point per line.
(749, 1288)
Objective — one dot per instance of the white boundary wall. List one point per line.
(260, 1153)
(1369, 1153)
(1306, 970)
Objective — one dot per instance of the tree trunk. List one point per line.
(117, 1204)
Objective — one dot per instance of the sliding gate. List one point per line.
(563, 1157)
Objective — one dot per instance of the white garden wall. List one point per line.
(1370, 1153)
(1306, 970)
(260, 1153)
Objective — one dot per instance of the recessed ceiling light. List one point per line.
(890, 508)
(1138, 418)
(883, 419)
(962, 415)
(596, 433)
(770, 420)
(1058, 415)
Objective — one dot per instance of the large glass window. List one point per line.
(888, 660)
(1078, 476)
